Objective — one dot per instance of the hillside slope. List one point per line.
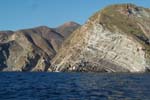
(115, 39)
(29, 49)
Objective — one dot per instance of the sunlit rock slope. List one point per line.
(115, 39)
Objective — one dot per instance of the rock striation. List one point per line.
(115, 39)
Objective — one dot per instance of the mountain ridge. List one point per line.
(29, 49)
(115, 39)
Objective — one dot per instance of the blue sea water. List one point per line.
(74, 86)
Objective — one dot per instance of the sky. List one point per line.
(21, 14)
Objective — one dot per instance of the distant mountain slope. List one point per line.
(29, 49)
(67, 28)
(115, 39)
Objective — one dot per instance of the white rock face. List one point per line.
(117, 48)
(94, 47)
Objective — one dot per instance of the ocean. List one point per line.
(74, 86)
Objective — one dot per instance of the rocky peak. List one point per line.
(67, 28)
(70, 23)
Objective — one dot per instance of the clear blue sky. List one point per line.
(19, 14)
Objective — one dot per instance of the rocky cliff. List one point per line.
(30, 49)
(115, 39)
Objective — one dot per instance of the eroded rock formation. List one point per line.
(115, 39)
